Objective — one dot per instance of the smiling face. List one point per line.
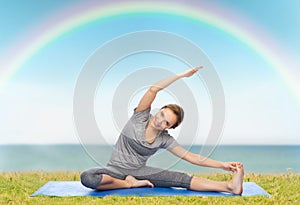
(164, 119)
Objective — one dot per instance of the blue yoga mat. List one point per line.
(75, 188)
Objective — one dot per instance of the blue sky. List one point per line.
(36, 104)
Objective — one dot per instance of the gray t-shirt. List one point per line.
(132, 149)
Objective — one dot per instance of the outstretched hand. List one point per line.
(231, 166)
(190, 72)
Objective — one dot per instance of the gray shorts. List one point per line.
(91, 178)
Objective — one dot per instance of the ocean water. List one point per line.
(256, 159)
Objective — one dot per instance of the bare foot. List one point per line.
(138, 183)
(236, 184)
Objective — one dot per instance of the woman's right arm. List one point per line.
(150, 95)
(199, 160)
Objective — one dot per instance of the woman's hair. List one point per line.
(178, 111)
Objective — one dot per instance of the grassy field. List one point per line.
(16, 188)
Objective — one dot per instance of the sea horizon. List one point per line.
(258, 158)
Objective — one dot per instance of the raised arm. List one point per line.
(150, 95)
(199, 160)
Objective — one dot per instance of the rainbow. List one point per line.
(80, 15)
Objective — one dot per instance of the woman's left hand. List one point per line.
(230, 166)
(190, 72)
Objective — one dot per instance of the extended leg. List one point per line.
(166, 178)
(234, 186)
(162, 178)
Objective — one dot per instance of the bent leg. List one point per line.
(101, 179)
(91, 178)
(109, 182)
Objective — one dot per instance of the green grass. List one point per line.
(16, 188)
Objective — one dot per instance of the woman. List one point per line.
(141, 137)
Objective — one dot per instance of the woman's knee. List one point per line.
(90, 178)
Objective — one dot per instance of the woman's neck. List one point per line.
(151, 132)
